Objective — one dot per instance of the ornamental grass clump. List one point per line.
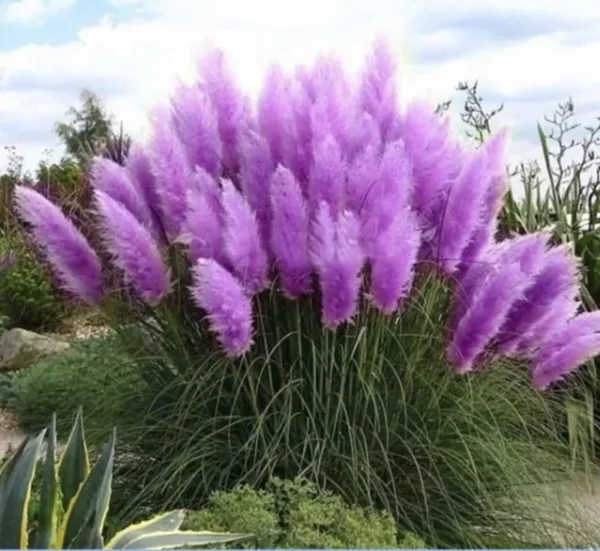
(305, 278)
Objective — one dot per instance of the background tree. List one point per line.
(89, 131)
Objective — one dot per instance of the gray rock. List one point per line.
(20, 348)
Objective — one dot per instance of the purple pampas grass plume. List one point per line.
(389, 192)
(140, 171)
(133, 249)
(558, 276)
(485, 315)
(550, 328)
(327, 175)
(196, 123)
(361, 180)
(301, 106)
(243, 246)
(75, 263)
(496, 186)
(427, 139)
(526, 251)
(460, 213)
(228, 307)
(172, 174)
(290, 233)
(255, 174)
(202, 228)
(566, 360)
(393, 260)
(377, 91)
(587, 323)
(276, 116)
(232, 108)
(338, 259)
(114, 180)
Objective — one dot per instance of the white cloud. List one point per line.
(28, 12)
(134, 64)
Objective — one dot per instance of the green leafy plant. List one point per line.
(74, 500)
(28, 298)
(93, 373)
(296, 515)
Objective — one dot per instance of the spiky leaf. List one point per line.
(49, 497)
(92, 499)
(15, 492)
(167, 522)
(172, 540)
(74, 465)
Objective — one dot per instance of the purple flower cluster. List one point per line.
(324, 180)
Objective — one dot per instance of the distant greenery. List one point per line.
(28, 298)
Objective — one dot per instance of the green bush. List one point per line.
(92, 374)
(28, 298)
(295, 515)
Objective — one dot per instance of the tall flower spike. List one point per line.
(232, 108)
(202, 229)
(255, 174)
(243, 245)
(74, 262)
(133, 249)
(197, 126)
(378, 95)
(483, 319)
(460, 214)
(393, 261)
(496, 186)
(140, 171)
(586, 323)
(583, 347)
(172, 173)
(550, 328)
(114, 180)
(427, 139)
(227, 306)
(327, 175)
(527, 251)
(338, 259)
(387, 194)
(558, 276)
(276, 116)
(290, 233)
(301, 107)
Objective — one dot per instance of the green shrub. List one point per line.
(92, 374)
(295, 515)
(28, 298)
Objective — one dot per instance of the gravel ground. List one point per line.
(10, 434)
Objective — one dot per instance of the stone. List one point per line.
(20, 349)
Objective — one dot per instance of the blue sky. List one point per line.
(529, 54)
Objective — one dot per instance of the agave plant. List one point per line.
(74, 500)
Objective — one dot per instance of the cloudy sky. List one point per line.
(529, 54)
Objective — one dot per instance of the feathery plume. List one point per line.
(133, 249)
(76, 265)
(290, 233)
(227, 306)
